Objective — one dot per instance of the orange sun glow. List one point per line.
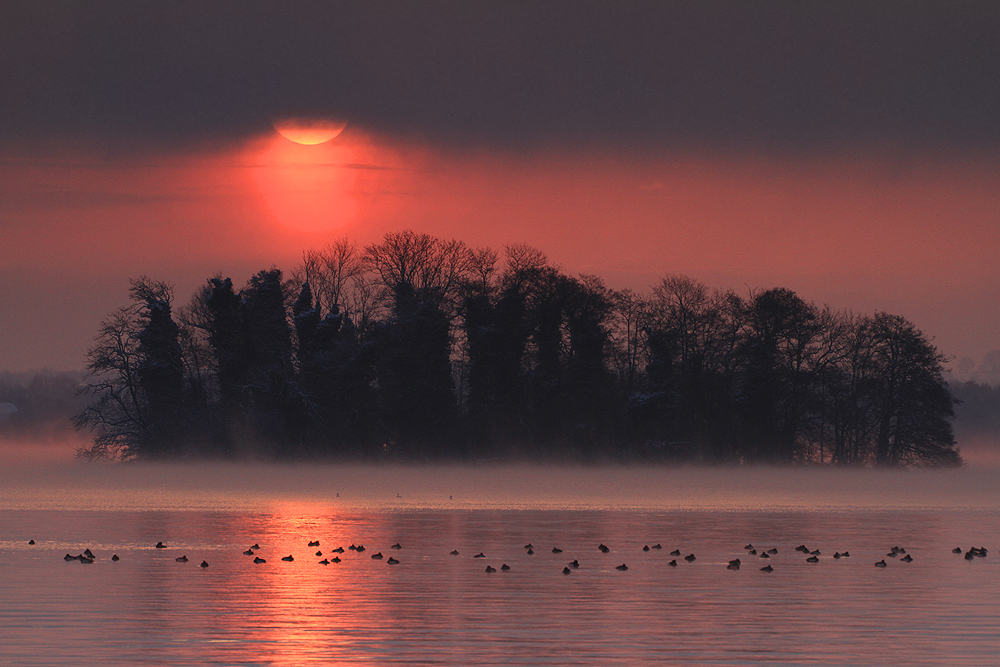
(309, 131)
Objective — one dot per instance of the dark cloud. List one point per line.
(726, 74)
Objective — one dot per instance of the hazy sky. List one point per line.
(847, 150)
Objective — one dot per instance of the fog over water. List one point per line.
(394, 487)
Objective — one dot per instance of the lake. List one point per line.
(433, 607)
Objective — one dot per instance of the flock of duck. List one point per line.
(87, 556)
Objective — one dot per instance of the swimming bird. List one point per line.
(566, 570)
(752, 552)
(803, 548)
(733, 564)
(575, 564)
(314, 543)
(480, 555)
(338, 550)
(161, 545)
(256, 546)
(505, 568)
(84, 559)
(646, 548)
(353, 547)
(603, 549)
(454, 552)
(115, 558)
(891, 554)
(490, 569)
(672, 563)
(68, 557)
(324, 562)
(957, 550)
(836, 554)
(31, 542)
(621, 567)
(969, 555)
(181, 559)
(881, 563)
(556, 550)
(335, 559)
(689, 558)
(248, 552)
(258, 559)
(530, 552)
(907, 558)
(772, 551)
(815, 552)
(360, 548)
(377, 556)
(319, 553)
(749, 546)
(528, 546)
(204, 563)
(812, 559)
(767, 568)
(764, 554)
(88, 553)
(397, 545)
(846, 554)
(392, 561)
(288, 558)
(675, 552)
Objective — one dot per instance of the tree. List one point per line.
(136, 379)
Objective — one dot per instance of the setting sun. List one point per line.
(309, 131)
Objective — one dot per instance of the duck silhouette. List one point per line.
(490, 569)
(160, 545)
(690, 558)
(204, 563)
(181, 559)
(259, 560)
(288, 558)
(392, 561)
(566, 570)
(881, 563)
(621, 567)
(767, 568)
(505, 568)
(324, 562)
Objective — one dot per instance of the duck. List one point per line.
(505, 568)
(846, 554)
(115, 558)
(256, 546)
(812, 559)
(803, 548)
(248, 552)
(815, 552)
(324, 562)
(259, 560)
(733, 564)
(767, 568)
(675, 552)
(480, 555)
(490, 569)
(204, 563)
(556, 550)
(566, 570)
(84, 559)
(528, 546)
(748, 547)
(881, 563)
(907, 558)
(392, 561)
(530, 552)
(360, 548)
(672, 563)
(31, 543)
(397, 545)
(288, 558)
(690, 558)
(603, 549)
(575, 564)
(181, 559)
(314, 543)
(67, 557)
(836, 554)
(88, 553)
(338, 550)
(319, 553)
(657, 546)
(335, 559)
(772, 551)
(646, 548)
(377, 556)
(752, 552)
(957, 550)
(454, 552)
(160, 545)
(621, 567)
(764, 554)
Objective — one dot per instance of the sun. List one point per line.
(309, 131)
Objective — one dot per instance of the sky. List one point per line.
(848, 150)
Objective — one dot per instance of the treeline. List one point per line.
(420, 348)
(39, 403)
